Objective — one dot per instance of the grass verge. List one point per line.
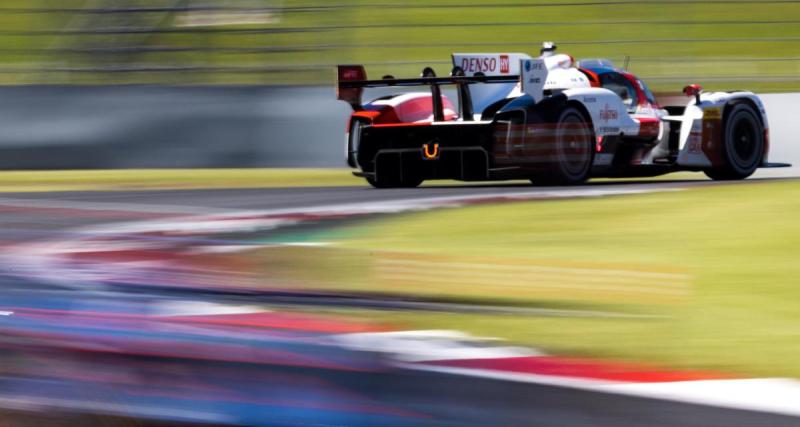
(171, 179)
(186, 179)
(735, 248)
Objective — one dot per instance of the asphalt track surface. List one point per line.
(26, 216)
(448, 399)
(233, 200)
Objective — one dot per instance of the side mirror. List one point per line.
(693, 90)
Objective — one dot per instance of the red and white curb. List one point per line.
(455, 353)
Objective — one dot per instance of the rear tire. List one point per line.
(743, 145)
(574, 151)
(353, 141)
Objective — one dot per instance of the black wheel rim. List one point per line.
(744, 142)
(574, 143)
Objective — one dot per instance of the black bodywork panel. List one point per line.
(463, 150)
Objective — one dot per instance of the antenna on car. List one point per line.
(627, 62)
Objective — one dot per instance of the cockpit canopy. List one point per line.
(596, 63)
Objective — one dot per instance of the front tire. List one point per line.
(573, 151)
(742, 147)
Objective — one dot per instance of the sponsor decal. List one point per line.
(351, 75)
(479, 65)
(589, 100)
(712, 113)
(693, 154)
(608, 113)
(606, 130)
(505, 64)
(530, 65)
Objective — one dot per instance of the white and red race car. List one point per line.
(547, 119)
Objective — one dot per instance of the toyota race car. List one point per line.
(547, 119)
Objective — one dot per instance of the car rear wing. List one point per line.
(352, 79)
(490, 64)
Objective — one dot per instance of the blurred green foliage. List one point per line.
(723, 45)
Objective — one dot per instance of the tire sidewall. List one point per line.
(354, 141)
(740, 114)
(561, 166)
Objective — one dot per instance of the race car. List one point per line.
(548, 119)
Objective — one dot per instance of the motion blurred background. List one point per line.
(232, 83)
(296, 296)
(725, 44)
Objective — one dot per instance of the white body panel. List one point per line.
(569, 78)
(550, 73)
(558, 61)
(609, 115)
(562, 75)
(411, 96)
(691, 138)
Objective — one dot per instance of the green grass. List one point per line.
(175, 179)
(736, 245)
(166, 179)
(425, 33)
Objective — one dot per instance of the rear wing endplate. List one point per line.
(533, 77)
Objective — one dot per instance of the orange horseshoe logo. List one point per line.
(428, 154)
